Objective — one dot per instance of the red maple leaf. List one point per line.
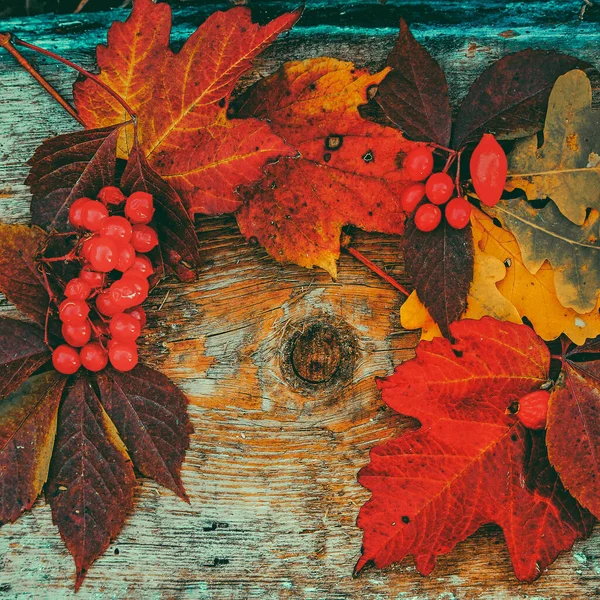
(471, 462)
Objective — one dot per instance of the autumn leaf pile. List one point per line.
(299, 155)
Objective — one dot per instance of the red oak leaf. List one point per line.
(471, 462)
(181, 99)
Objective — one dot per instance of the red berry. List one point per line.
(75, 212)
(103, 254)
(110, 195)
(73, 311)
(458, 213)
(141, 266)
(78, 288)
(411, 196)
(93, 357)
(123, 355)
(124, 294)
(65, 359)
(125, 328)
(533, 409)
(126, 258)
(139, 207)
(141, 284)
(116, 228)
(93, 278)
(93, 214)
(427, 217)
(488, 169)
(77, 334)
(439, 188)
(139, 313)
(419, 163)
(105, 305)
(144, 238)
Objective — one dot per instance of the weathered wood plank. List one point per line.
(271, 473)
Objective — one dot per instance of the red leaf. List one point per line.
(27, 430)
(22, 352)
(414, 95)
(150, 413)
(440, 264)
(573, 428)
(91, 482)
(510, 98)
(471, 462)
(68, 167)
(20, 279)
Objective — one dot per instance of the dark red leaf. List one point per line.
(22, 351)
(414, 95)
(91, 482)
(178, 241)
(20, 279)
(440, 264)
(27, 430)
(510, 98)
(150, 413)
(68, 167)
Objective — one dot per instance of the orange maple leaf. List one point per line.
(181, 100)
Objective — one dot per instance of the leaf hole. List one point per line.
(513, 409)
(539, 204)
(334, 142)
(406, 520)
(540, 139)
(369, 157)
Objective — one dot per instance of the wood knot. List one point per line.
(316, 353)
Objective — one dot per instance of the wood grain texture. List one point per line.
(271, 473)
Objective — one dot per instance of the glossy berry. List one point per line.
(418, 163)
(123, 356)
(124, 294)
(488, 170)
(103, 254)
(144, 238)
(125, 328)
(93, 357)
(66, 359)
(105, 305)
(139, 313)
(427, 217)
(126, 258)
(139, 208)
(117, 228)
(85, 247)
(110, 195)
(78, 334)
(75, 217)
(533, 409)
(93, 214)
(411, 196)
(140, 283)
(73, 311)
(458, 213)
(439, 188)
(93, 278)
(141, 266)
(78, 288)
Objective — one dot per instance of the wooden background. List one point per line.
(271, 472)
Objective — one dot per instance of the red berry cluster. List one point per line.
(438, 188)
(114, 276)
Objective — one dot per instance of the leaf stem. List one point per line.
(373, 267)
(6, 42)
(440, 147)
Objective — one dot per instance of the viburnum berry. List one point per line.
(124, 294)
(105, 304)
(488, 170)
(411, 196)
(140, 283)
(141, 266)
(78, 288)
(123, 356)
(93, 357)
(139, 313)
(93, 214)
(66, 359)
(93, 278)
(427, 217)
(117, 228)
(418, 163)
(458, 213)
(73, 311)
(139, 208)
(103, 254)
(144, 238)
(111, 195)
(76, 334)
(126, 258)
(439, 188)
(125, 328)
(533, 409)
(75, 215)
